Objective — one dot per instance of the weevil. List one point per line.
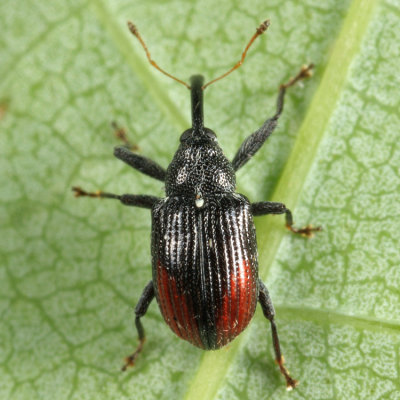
(203, 240)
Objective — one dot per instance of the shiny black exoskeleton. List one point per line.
(205, 272)
(204, 249)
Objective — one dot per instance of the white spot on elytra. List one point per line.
(199, 200)
(199, 203)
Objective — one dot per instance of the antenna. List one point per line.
(260, 30)
(135, 32)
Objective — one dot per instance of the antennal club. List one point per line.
(260, 30)
(136, 33)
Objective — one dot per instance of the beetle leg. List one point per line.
(120, 133)
(269, 313)
(142, 164)
(135, 200)
(269, 207)
(254, 142)
(140, 310)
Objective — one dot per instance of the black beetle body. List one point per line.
(205, 271)
(204, 252)
(204, 249)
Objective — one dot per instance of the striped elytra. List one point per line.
(205, 270)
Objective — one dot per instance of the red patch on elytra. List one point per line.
(175, 308)
(237, 306)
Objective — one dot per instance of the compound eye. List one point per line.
(210, 134)
(186, 135)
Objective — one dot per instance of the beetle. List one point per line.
(203, 240)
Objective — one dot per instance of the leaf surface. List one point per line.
(71, 271)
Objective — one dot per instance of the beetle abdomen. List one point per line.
(205, 269)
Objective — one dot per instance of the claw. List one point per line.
(79, 192)
(290, 382)
(305, 72)
(307, 231)
(130, 360)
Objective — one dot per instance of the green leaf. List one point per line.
(72, 270)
